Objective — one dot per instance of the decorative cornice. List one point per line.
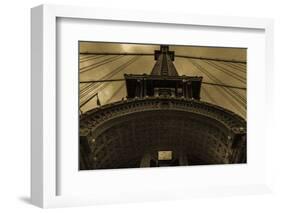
(99, 115)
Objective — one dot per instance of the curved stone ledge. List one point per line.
(95, 117)
(202, 131)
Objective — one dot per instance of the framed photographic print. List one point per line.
(161, 105)
(130, 106)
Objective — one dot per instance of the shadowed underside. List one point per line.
(123, 134)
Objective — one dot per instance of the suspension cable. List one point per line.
(223, 89)
(217, 80)
(100, 86)
(209, 96)
(82, 57)
(238, 65)
(91, 58)
(211, 59)
(152, 54)
(103, 78)
(237, 96)
(224, 85)
(98, 64)
(226, 71)
(94, 85)
(115, 93)
(90, 98)
(203, 82)
(236, 68)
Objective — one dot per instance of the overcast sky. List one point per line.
(232, 74)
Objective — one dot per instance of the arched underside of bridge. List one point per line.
(130, 134)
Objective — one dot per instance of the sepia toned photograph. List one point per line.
(159, 105)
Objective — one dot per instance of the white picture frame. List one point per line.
(44, 154)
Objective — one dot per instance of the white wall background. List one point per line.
(15, 105)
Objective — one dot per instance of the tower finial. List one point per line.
(164, 65)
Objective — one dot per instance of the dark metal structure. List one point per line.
(161, 123)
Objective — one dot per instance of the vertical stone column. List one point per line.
(144, 88)
(145, 161)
